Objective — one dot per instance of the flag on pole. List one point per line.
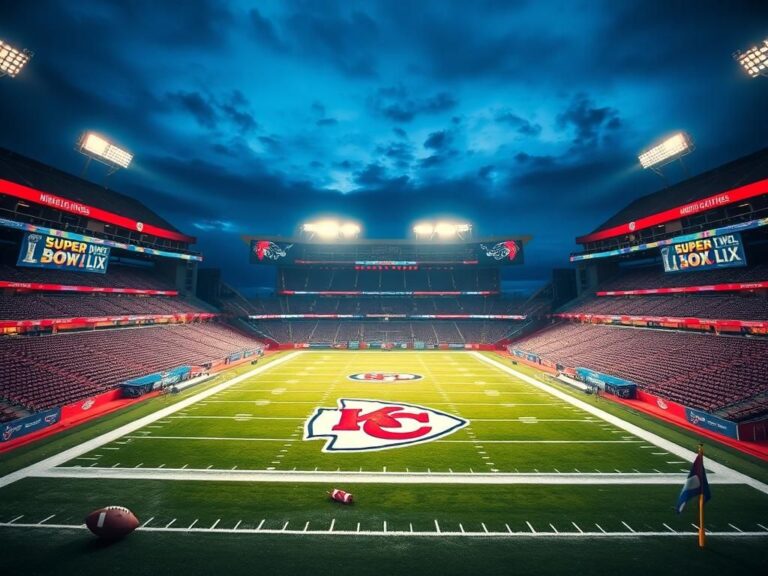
(696, 484)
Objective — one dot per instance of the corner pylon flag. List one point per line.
(696, 485)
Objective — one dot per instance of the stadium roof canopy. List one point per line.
(745, 170)
(22, 170)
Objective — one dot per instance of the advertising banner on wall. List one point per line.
(43, 251)
(711, 422)
(23, 426)
(725, 251)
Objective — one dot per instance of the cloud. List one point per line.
(194, 103)
(486, 172)
(264, 31)
(272, 144)
(437, 140)
(538, 161)
(209, 112)
(401, 153)
(588, 122)
(523, 126)
(225, 226)
(348, 43)
(396, 103)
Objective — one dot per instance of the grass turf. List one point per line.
(493, 401)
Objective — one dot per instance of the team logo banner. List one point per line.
(268, 252)
(504, 252)
(368, 425)
(704, 254)
(42, 251)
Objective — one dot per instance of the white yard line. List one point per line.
(247, 439)
(408, 533)
(371, 477)
(734, 476)
(94, 443)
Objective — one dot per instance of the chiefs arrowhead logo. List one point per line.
(384, 377)
(367, 425)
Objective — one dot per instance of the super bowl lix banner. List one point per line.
(42, 251)
(704, 254)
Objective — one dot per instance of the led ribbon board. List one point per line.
(82, 238)
(741, 227)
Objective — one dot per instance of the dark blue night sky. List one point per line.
(249, 117)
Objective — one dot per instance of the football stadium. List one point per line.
(385, 402)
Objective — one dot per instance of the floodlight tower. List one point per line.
(755, 60)
(96, 147)
(12, 60)
(669, 150)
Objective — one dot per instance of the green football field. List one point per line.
(533, 475)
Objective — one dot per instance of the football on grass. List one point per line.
(112, 522)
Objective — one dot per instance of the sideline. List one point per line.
(214, 475)
(671, 447)
(80, 449)
(438, 532)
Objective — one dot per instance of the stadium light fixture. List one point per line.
(98, 148)
(672, 148)
(444, 230)
(12, 60)
(755, 60)
(350, 230)
(331, 229)
(423, 230)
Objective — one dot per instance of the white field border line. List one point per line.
(369, 477)
(404, 533)
(39, 467)
(732, 475)
(441, 441)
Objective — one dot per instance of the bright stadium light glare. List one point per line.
(442, 229)
(445, 230)
(323, 228)
(101, 149)
(424, 230)
(331, 229)
(670, 149)
(755, 60)
(350, 230)
(12, 60)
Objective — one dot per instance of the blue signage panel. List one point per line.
(28, 424)
(725, 251)
(712, 423)
(602, 380)
(43, 251)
